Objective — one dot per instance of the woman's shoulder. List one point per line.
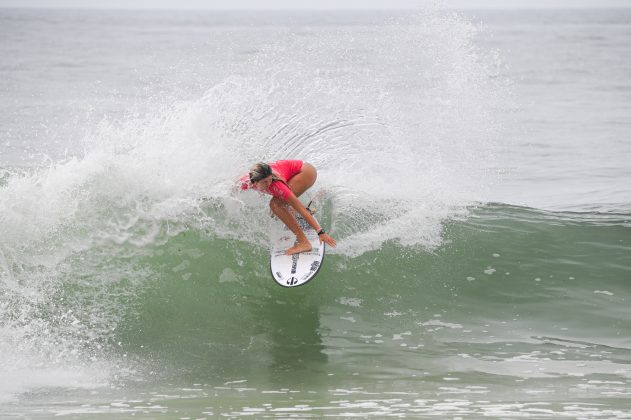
(279, 189)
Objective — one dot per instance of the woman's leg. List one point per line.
(303, 180)
(281, 210)
(299, 183)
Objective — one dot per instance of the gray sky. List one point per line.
(311, 4)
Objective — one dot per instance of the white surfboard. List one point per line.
(294, 270)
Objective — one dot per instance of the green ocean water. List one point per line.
(520, 312)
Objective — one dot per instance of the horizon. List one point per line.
(312, 5)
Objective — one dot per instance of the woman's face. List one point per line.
(264, 183)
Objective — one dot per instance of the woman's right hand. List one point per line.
(327, 239)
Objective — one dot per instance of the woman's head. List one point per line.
(259, 173)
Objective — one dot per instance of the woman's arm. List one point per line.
(301, 209)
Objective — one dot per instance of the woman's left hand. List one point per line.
(327, 239)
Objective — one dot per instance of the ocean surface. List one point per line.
(473, 167)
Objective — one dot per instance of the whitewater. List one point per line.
(472, 167)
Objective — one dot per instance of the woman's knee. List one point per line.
(304, 180)
(275, 203)
(311, 170)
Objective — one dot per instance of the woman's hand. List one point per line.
(327, 239)
(302, 210)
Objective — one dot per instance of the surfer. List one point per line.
(286, 180)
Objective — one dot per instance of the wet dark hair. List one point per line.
(259, 171)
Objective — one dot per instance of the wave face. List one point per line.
(135, 268)
(512, 295)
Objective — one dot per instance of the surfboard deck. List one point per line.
(298, 269)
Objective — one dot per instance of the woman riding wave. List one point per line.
(286, 180)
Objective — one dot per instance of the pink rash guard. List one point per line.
(285, 170)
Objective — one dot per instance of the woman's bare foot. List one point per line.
(299, 247)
